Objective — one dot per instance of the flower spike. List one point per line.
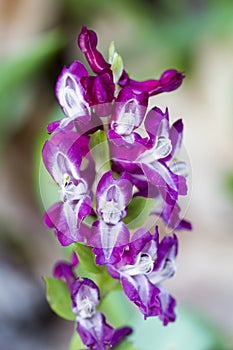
(116, 164)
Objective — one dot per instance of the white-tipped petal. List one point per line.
(179, 168)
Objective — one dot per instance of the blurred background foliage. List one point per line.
(195, 36)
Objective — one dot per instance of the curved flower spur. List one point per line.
(115, 164)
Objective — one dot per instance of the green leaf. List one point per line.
(116, 63)
(100, 151)
(75, 342)
(58, 297)
(87, 258)
(117, 308)
(111, 51)
(138, 211)
(117, 67)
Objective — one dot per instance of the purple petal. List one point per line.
(64, 271)
(164, 266)
(170, 80)
(61, 155)
(90, 125)
(176, 136)
(158, 172)
(165, 181)
(142, 293)
(168, 304)
(83, 143)
(81, 123)
(112, 196)
(184, 225)
(147, 85)
(52, 214)
(144, 187)
(108, 241)
(156, 123)
(125, 152)
(138, 241)
(51, 217)
(87, 42)
(91, 324)
(95, 332)
(168, 249)
(144, 242)
(63, 239)
(63, 217)
(84, 207)
(88, 173)
(83, 289)
(124, 79)
(63, 125)
(99, 92)
(74, 260)
(53, 126)
(69, 91)
(113, 270)
(120, 334)
(129, 112)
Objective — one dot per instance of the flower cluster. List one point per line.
(106, 115)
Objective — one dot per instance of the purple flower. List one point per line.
(62, 158)
(112, 197)
(109, 233)
(161, 148)
(70, 95)
(170, 80)
(87, 42)
(92, 327)
(148, 160)
(129, 113)
(158, 127)
(144, 265)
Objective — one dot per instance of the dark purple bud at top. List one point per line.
(87, 42)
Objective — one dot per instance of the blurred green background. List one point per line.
(37, 38)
